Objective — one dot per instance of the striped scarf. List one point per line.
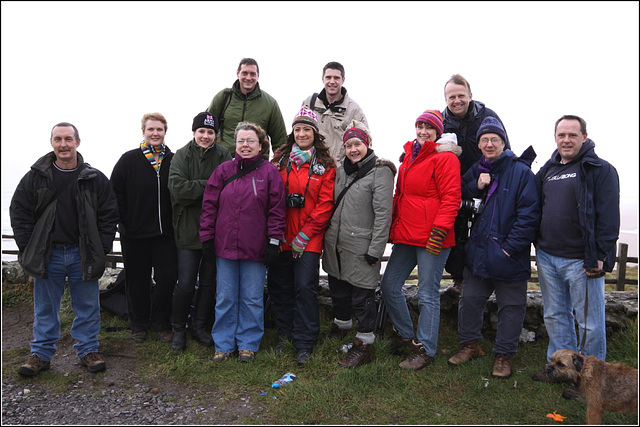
(148, 151)
(299, 156)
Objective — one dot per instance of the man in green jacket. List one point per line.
(246, 102)
(64, 216)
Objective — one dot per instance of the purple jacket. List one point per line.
(245, 212)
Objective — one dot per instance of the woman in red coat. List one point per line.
(425, 206)
(308, 173)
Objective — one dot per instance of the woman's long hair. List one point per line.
(281, 156)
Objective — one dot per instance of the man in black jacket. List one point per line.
(64, 215)
(463, 117)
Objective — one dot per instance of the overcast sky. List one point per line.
(102, 65)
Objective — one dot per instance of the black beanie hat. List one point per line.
(205, 120)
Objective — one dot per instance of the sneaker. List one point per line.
(33, 365)
(165, 336)
(501, 367)
(304, 356)
(221, 357)
(139, 336)
(357, 355)
(418, 358)
(93, 362)
(246, 356)
(338, 333)
(466, 353)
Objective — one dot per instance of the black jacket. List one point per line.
(599, 205)
(466, 129)
(33, 213)
(143, 196)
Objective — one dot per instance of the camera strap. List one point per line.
(289, 165)
(242, 173)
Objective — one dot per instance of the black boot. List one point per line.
(179, 339)
(205, 307)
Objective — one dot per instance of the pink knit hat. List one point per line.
(433, 118)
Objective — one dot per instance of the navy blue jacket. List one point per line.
(466, 129)
(599, 205)
(509, 221)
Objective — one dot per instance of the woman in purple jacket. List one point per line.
(242, 224)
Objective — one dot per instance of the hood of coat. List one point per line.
(587, 150)
(449, 146)
(380, 163)
(255, 93)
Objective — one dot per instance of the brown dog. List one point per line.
(604, 386)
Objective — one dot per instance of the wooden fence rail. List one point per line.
(620, 280)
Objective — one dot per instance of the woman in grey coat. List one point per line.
(356, 239)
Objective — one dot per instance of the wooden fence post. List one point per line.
(622, 265)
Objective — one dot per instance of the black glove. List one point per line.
(370, 259)
(271, 255)
(209, 249)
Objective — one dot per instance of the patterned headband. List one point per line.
(356, 133)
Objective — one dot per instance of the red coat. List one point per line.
(427, 195)
(313, 218)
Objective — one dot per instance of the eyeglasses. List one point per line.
(494, 141)
(249, 141)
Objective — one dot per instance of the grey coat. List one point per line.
(360, 225)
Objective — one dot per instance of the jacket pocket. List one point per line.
(501, 266)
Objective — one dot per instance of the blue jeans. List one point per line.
(511, 297)
(239, 305)
(563, 282)
(47, 297)
(401, 263)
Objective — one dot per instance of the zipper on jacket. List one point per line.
(253, 180)
(244, 108)
(159, 212)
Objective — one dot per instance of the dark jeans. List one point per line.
(348, 299)
(512, 306)
(145, 307)
(456, 261)
(192, 267)
(293, 288)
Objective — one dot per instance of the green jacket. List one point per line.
(33, 213)
(257, 107)
(190, 169)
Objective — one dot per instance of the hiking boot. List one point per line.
(202, 336)
(93, 362)
(456, 288)
(179, 340)
(165, 336)
(338, 333)
(501, 367)
(304, 356)
(418, 358)
(358, 354)
(221, 357)
(139, 336)
(246, 356)
(33, 365)
(572, 393)
(466, 353)
(400, 346)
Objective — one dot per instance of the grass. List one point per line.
(376, 393)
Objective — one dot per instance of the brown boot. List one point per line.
(418, 358)
(400, 346)
(501, 367)
(466, 353)
(456, 288)
(358, 354)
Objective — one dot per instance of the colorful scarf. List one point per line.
(415, 150)
(484, 166)
(148, 151)
(299, 156)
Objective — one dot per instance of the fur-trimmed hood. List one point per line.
(384, 162)
(448, 146)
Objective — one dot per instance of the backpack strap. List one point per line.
(225, 105)
(312, 104)
(242, 173)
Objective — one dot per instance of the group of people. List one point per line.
(220, 216)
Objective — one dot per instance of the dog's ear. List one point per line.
(578, 362)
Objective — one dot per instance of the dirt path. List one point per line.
(69, 394)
